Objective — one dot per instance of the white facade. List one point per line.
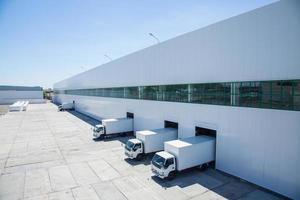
(259, 145)
(11, 96)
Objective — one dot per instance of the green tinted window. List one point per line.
(149, 92)
(283, 94)
(132, 92)
(177, 93)
(212, 93)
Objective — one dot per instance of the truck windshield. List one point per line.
(98, 129)
(158, 161)
(129, 145)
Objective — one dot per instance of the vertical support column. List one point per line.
(140, 95)
(189, 93)
(160, 93)
(293, 95)
(271, 95)
(232, 94)
(124, 92)
(163, 93)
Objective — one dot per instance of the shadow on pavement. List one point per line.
(145, 161)
(85, 118)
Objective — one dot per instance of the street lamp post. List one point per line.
(152, 35)
(108, 57)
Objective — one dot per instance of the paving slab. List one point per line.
(260, 195)
(174, 193)
(132, 188)
(209, 195)
(12, 186)
(41, 197)
(61, 178)
(195, 183)
(37, 183)
(24, 168)
(85, 193)
(128, 185)
(2, 164)
(120, 165)
(33, 157)
(18, 148)
(75, 156)
(62, 195)
(108, 191)
(103, 170)
(234, 190)
(83, 174)
(4, 150)
(145, 194)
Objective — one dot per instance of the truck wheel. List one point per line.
(101, 137)
(171, 175)
(139, 157)
(122, 134)
(203, 166)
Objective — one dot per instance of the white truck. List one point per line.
(18, 106)
(25, 105)
(149, 141)
(113, 126)
(66, 106)
(182, 154)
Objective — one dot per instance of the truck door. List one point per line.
(169, 166)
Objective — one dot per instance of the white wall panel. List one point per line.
(259, 45)
(259, 145)
(11, 96)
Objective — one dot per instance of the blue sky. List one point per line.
(45, 41)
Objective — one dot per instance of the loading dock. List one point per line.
(170, 124)
(129, 115)
(200, 131)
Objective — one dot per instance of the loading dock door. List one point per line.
(169, 124)
(129, 115)
(205, 131)
(209, 132)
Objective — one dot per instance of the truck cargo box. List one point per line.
(118, 125)
(67, 106)
(153, 140)
(17, 106)
(193, 151)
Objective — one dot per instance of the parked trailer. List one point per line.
(149, 141)
(17, 106)
(66, 106)
(25, 105)
(113, 126)
(182, 154)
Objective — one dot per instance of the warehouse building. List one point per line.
(238, 79)
(11, 94)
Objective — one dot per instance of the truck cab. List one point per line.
(98, 130)
(66, 106)
(60, 108)
(163, 165)
(134, 149)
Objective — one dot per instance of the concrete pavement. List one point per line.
(50, 155)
